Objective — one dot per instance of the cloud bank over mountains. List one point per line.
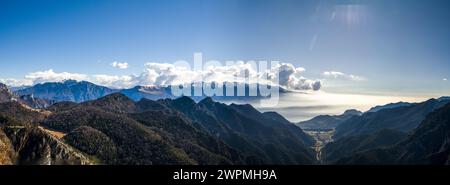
(42, 77)
(165, 74)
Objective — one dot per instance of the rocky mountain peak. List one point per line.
(352, 112)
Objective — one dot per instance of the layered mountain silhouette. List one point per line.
(81, 91)
(402, 118)
(82, 123)
(379, 137)
(427, 144)
(348, 146)
(181, 131)
(328, 122)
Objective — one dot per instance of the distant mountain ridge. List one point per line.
(242, 126)
(428, 144)
(69, 90)
(348, 146)
(81, 91)
(327, 122)
(389, 106)
(117, 129)
(402, 118)
(368, 138)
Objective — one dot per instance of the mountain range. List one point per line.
(115, 129)
(69, 90)
(401, 118)
(81, 91)
(371, 137)
(388, 106)
(82, 123)
(429, 143)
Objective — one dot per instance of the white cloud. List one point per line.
(114, 81)
(120, 65)
(289, 77)
(164, 74)
(51, 76)
(169, 74)
(445, 79)
(341, 75)
(44, 76)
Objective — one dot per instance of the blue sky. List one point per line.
(394, 46)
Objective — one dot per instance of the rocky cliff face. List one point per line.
(34, 102)
(5, 94)
(7, 152)
(34, 146)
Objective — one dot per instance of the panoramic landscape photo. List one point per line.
(226, 82)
